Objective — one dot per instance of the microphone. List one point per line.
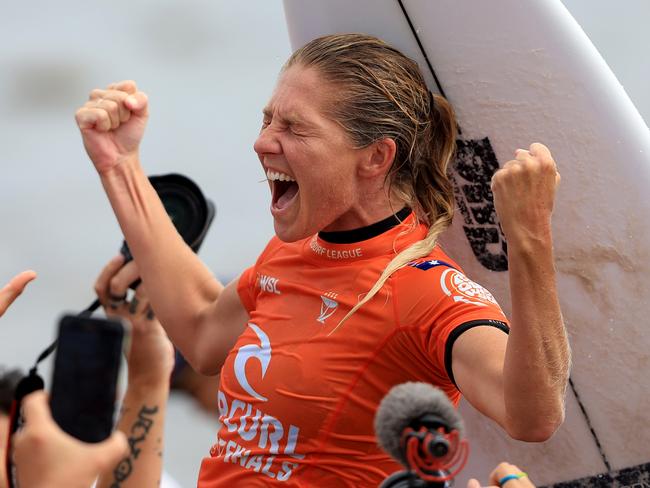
(418, 426)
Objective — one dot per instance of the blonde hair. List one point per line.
(381, 93)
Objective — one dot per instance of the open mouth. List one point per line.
(283, 189)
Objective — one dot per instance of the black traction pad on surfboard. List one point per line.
(471, 174)
(634, 477)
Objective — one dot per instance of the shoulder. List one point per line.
(271, 248)
(435, 284)
(426, 275)
(276, 247)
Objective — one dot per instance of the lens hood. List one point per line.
(186, 206)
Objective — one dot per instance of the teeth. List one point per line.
(272, 176)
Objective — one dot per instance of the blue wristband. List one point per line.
(509, 477)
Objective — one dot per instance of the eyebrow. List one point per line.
(290, 119)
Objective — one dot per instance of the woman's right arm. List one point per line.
(183, 292)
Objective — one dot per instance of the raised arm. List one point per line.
(183, 292)
(521, 381)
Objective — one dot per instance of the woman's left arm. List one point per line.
(521, 381)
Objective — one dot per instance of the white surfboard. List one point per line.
(518, 72)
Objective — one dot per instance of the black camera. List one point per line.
(190, 212)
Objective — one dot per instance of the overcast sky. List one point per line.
(208, 67)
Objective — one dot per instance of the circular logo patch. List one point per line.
(462, 289)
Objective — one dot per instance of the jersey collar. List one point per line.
(389, 242)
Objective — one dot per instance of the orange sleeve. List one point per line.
(455, 317)
(246, 288)
(247, 283)
(444, 303)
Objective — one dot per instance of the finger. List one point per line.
(499, 472)
(113, 102)
(35, 409)
(93, 118)
(128, 86)
(540, 151)
(103, 280)
(522, 155)
(112, 108)
(14, 289)
(140, 302)
(120, 281)
(505, 469)
(123, 113)
(96, 94)
(111, 451)
(473, 484)
(138, 103)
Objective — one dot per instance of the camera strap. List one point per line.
(29, 384)
(187, 207)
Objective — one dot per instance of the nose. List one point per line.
(267, 142)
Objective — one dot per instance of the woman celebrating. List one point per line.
(353, 295)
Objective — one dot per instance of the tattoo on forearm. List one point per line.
(137, 435)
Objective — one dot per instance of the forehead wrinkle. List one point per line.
(305, 101)
(290, 117)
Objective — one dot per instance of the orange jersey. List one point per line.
(297, 399)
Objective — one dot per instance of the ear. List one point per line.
(378, 158)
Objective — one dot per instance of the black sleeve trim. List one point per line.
(456, 333)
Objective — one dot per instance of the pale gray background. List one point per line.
(208, 67)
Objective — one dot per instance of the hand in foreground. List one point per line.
(13, 289)
(504, 470)
(151, 357)
(112, 124)
(524, 193)
(45, 456)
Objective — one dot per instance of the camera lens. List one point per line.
(188, 209)
(187, 214)
(190, 212)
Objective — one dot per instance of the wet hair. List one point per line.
(380, 93)
(8, 381)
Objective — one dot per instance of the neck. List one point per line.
(373, 205)
(366, 232)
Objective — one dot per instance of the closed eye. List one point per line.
(297, 133)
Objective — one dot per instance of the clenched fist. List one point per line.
(524, 193)
(112, 124)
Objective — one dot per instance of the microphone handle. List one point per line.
(407, 479)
